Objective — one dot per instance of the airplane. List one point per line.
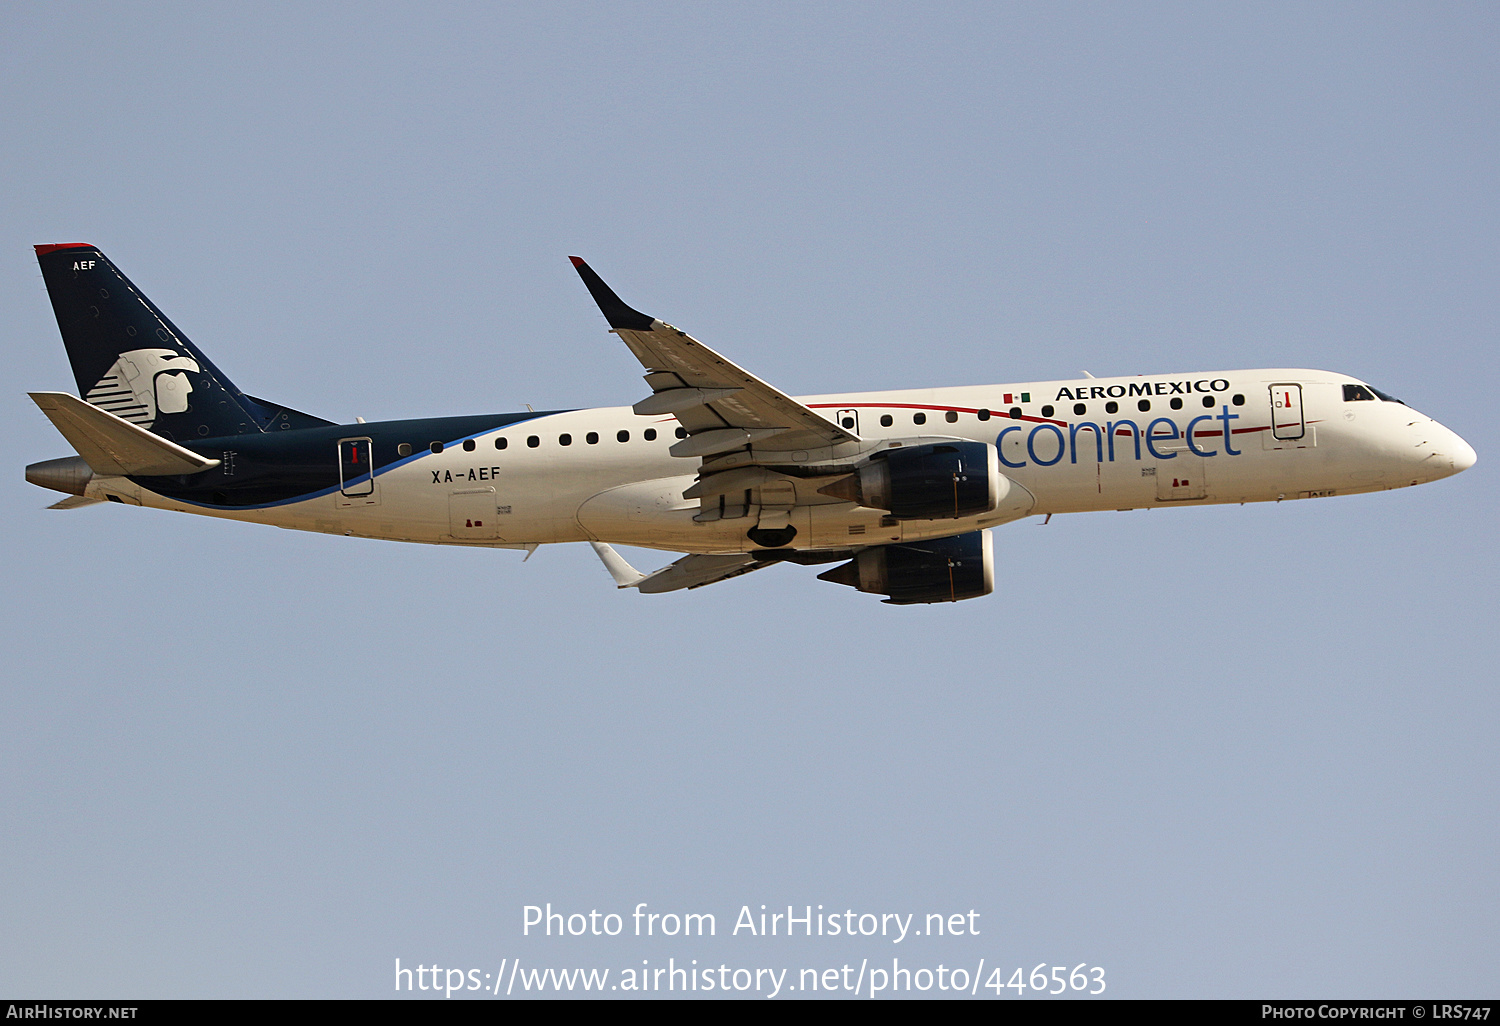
(900, 488)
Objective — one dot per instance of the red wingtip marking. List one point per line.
(44, 250)
(577, 261)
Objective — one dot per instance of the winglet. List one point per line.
(614, 309)
(625, 575)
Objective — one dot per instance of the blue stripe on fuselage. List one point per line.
(283, 468)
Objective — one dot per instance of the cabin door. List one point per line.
(1286, 412)
(356, 474)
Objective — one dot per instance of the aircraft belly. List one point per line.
(653, 514)
(1178, 476)
(839, 525)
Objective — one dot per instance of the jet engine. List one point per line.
(940, 481)
(940, 570)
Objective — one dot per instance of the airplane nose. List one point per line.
(1463, 454)
(1438, 452)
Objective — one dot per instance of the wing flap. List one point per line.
(113, 447)
(671, 400)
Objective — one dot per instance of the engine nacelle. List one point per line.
(940, 570)
(939, 481)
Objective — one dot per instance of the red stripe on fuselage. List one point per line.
(998, 415)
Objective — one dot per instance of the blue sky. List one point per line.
(1232, 751)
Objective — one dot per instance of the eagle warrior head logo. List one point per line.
(143, 383)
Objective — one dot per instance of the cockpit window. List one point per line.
(1385, 396)
(1357, 393)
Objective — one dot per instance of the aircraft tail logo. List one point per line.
(143, 383)
(130, 360)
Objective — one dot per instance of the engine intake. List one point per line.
(940, 481)
(940, 570)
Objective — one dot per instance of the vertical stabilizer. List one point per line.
(130, 360)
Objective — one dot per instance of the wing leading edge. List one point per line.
(692, 571)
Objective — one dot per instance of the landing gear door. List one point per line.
(356, 474)
(1286, 412)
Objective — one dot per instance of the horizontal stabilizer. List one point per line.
(75, 502)
(113, 447)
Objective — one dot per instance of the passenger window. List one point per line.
(1015, 413)
(885, 420)
(468, 445)
(564, 439)
(984, 414)
(436, 447)
(681, 432)
(1144, 405)
(1111, 407)
(501, 442)
(951, 416)
(847, 422)
(1176, 404)
(404, 449)
(1046, 411)
(623, 436)
(1208, 402)
(1238, 400)
(1079, 409)
(650, 434)
(919, 418)
(532, 441)
(592, 438)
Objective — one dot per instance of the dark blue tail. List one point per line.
(130, 360)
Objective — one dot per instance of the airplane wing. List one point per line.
(697, 570)
(688, 572)
(720, 405)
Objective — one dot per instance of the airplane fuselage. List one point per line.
(606, 474)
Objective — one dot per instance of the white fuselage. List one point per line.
(1231, 437)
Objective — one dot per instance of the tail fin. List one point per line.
(130, 360)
